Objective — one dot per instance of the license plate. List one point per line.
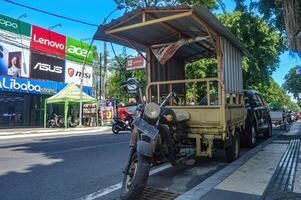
(146, 128)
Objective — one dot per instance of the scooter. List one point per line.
(120, 125)
(57, 121)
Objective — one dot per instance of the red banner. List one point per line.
(49, 42)
(135, 63)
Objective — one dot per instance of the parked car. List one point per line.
(258, 119)
(280, 118)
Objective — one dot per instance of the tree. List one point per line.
(263, 42)
(285, 15)
(133, 4)
(118, 74)
(292, 83)
(275, 95)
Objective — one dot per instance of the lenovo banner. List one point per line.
(47, 68)
(135, 63)
(14, 61)
(73, 74)
(77, 51)
(43, 40)
(15, 26)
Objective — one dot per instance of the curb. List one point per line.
(200, 190)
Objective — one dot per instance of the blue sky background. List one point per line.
(94, 11)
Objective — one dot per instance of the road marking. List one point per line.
(118, 186)
(88, 147)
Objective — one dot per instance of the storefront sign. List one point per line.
(15, 26)
(14, 84)
(48, 42)
(77, 51)
(26, 85)
(73, 74)
(135, 63)
(14, 60)
(47, 68)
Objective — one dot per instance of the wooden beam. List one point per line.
(124, 21)
(150, 22)
(143, 17)
(210, 31)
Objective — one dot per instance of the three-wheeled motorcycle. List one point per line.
(185, 108)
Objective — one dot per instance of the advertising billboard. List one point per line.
(77, 51)
(73, 74)
(135, 63)
(47, 68)
(24, 85)
(43, 40)
(14, 61)
(15, 26)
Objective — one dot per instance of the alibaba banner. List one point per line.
(77, 51)
(14, 25)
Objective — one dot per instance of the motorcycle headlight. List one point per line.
(152, 110)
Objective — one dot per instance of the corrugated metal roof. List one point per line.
(163, 32)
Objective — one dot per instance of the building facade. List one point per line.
(36, 63)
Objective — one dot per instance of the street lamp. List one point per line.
(54, 26)
(83, 69)
(21, 16)
(21, 40)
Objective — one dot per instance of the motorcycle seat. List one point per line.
(182, 115)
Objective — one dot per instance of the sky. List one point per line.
(94, 11)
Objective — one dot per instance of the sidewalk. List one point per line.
(37, 132)
(271, 170)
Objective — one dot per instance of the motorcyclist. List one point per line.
(124, 114)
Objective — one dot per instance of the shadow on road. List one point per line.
(61, 168)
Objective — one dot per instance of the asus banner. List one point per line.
(47, 68)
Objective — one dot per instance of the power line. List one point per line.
(52, 14)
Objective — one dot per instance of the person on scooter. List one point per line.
(123, 113)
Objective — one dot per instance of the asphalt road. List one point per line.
(84, 167)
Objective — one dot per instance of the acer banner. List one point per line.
(77, 51)
(47, 68)
(43, 40)
(73, 74)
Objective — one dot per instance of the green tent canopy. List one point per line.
(69, 95)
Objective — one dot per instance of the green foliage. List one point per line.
(118, 75)
(133, 4)
(263, 42)
(272, 12)
(275, 95)
(292, 82)
(201, 69)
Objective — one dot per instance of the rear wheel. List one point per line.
(250, 131)
(232, 151)
(268, 133)
(135, 179)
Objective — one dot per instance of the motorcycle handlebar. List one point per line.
(170, 95)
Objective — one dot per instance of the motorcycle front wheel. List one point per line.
(135, 179)
(116, 128)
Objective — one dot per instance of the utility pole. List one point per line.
(83, 69)
(104, 69)
(100, 75)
